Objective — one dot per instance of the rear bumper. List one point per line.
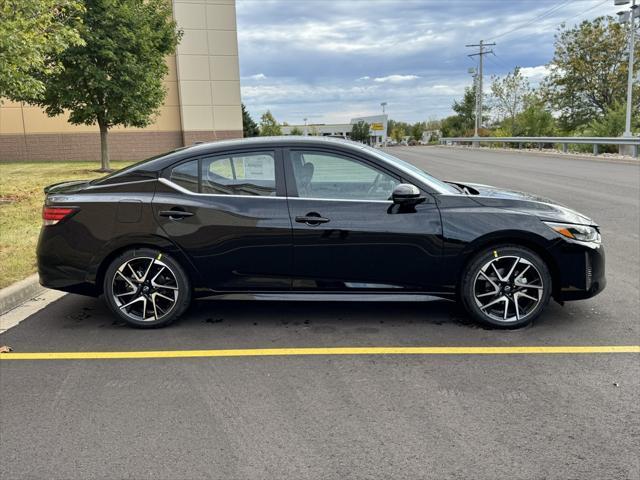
(581, 271)
(61, 267)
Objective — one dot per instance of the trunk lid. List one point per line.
(66, 187)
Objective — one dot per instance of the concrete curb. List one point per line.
(19, 292)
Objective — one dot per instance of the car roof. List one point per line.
(206, 148)
(277, 141)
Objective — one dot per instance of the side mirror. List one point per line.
(406, 194)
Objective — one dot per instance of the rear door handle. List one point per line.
(175, 214)
(312, 220)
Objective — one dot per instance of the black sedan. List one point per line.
(303, 215)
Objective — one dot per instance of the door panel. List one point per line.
(358, 243)
(239, 238)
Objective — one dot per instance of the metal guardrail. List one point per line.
(633, 142)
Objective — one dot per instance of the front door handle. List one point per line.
(175, 214)
(312, 218)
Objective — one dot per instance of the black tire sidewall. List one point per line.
(467, 284)
(182, 279)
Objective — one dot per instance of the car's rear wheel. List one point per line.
(506, 286)
(146, 288)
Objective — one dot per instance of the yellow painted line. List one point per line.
(269, 352)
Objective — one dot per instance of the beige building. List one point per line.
(202, 103)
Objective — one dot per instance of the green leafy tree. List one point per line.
(397, 133)
(588, 72)
(611, 124)
(508, 98)
(268, 125)
(416, 131)
(360, 132)
(453, 126)
(115, 78)
(535, 120)
(32, 35)
(296, 131)
(249, 127)
(463, 123)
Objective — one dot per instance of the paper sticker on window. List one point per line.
(258, 168)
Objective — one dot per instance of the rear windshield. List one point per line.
(125, 170)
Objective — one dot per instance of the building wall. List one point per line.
(202, 103)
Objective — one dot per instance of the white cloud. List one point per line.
(362, 79)
(535, 74)
(396, 78)
(257, 76)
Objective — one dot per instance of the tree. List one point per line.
(452, 126)
(268, 125)
(32, 35)
(416, 131)
(464, 123)
(588, 72)
(612, 123)
(360, 132)
(115, 78)
(398, 134)
(535, 120)
(508, 98)
(249, 127)
(296, 131)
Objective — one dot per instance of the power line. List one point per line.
(538, 17)
(586, 11)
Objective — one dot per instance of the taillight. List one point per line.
(52, 215)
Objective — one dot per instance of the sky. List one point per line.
(332, 60)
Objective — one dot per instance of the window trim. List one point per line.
(292, 189)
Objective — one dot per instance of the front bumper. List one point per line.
(581, 270)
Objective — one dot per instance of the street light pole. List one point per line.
(384, 133)
(305, 128)
(632, 23)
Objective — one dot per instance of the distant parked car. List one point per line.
(300, 215)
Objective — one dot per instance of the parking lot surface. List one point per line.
(509, 416)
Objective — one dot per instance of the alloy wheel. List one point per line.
(145, 289)
(508, 289)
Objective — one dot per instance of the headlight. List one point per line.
(582, 233)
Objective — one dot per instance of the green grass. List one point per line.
(21, 198)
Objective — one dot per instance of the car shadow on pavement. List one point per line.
(81, 323)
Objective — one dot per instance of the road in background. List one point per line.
(498, 416)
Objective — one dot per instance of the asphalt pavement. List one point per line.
(541, 416)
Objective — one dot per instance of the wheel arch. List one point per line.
(164, 245)
(528, 240)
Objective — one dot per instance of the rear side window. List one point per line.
(186, 175)
(243, 174)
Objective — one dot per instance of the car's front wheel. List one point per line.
(506, 286)
(146, 288)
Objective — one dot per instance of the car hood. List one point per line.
(542, 207)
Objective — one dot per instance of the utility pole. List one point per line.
(480, 53)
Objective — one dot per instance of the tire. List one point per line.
(506, 286)
(146, 288)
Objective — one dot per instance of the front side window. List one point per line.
(330, 176)
(242, 174)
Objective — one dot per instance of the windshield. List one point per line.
(424, 176)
